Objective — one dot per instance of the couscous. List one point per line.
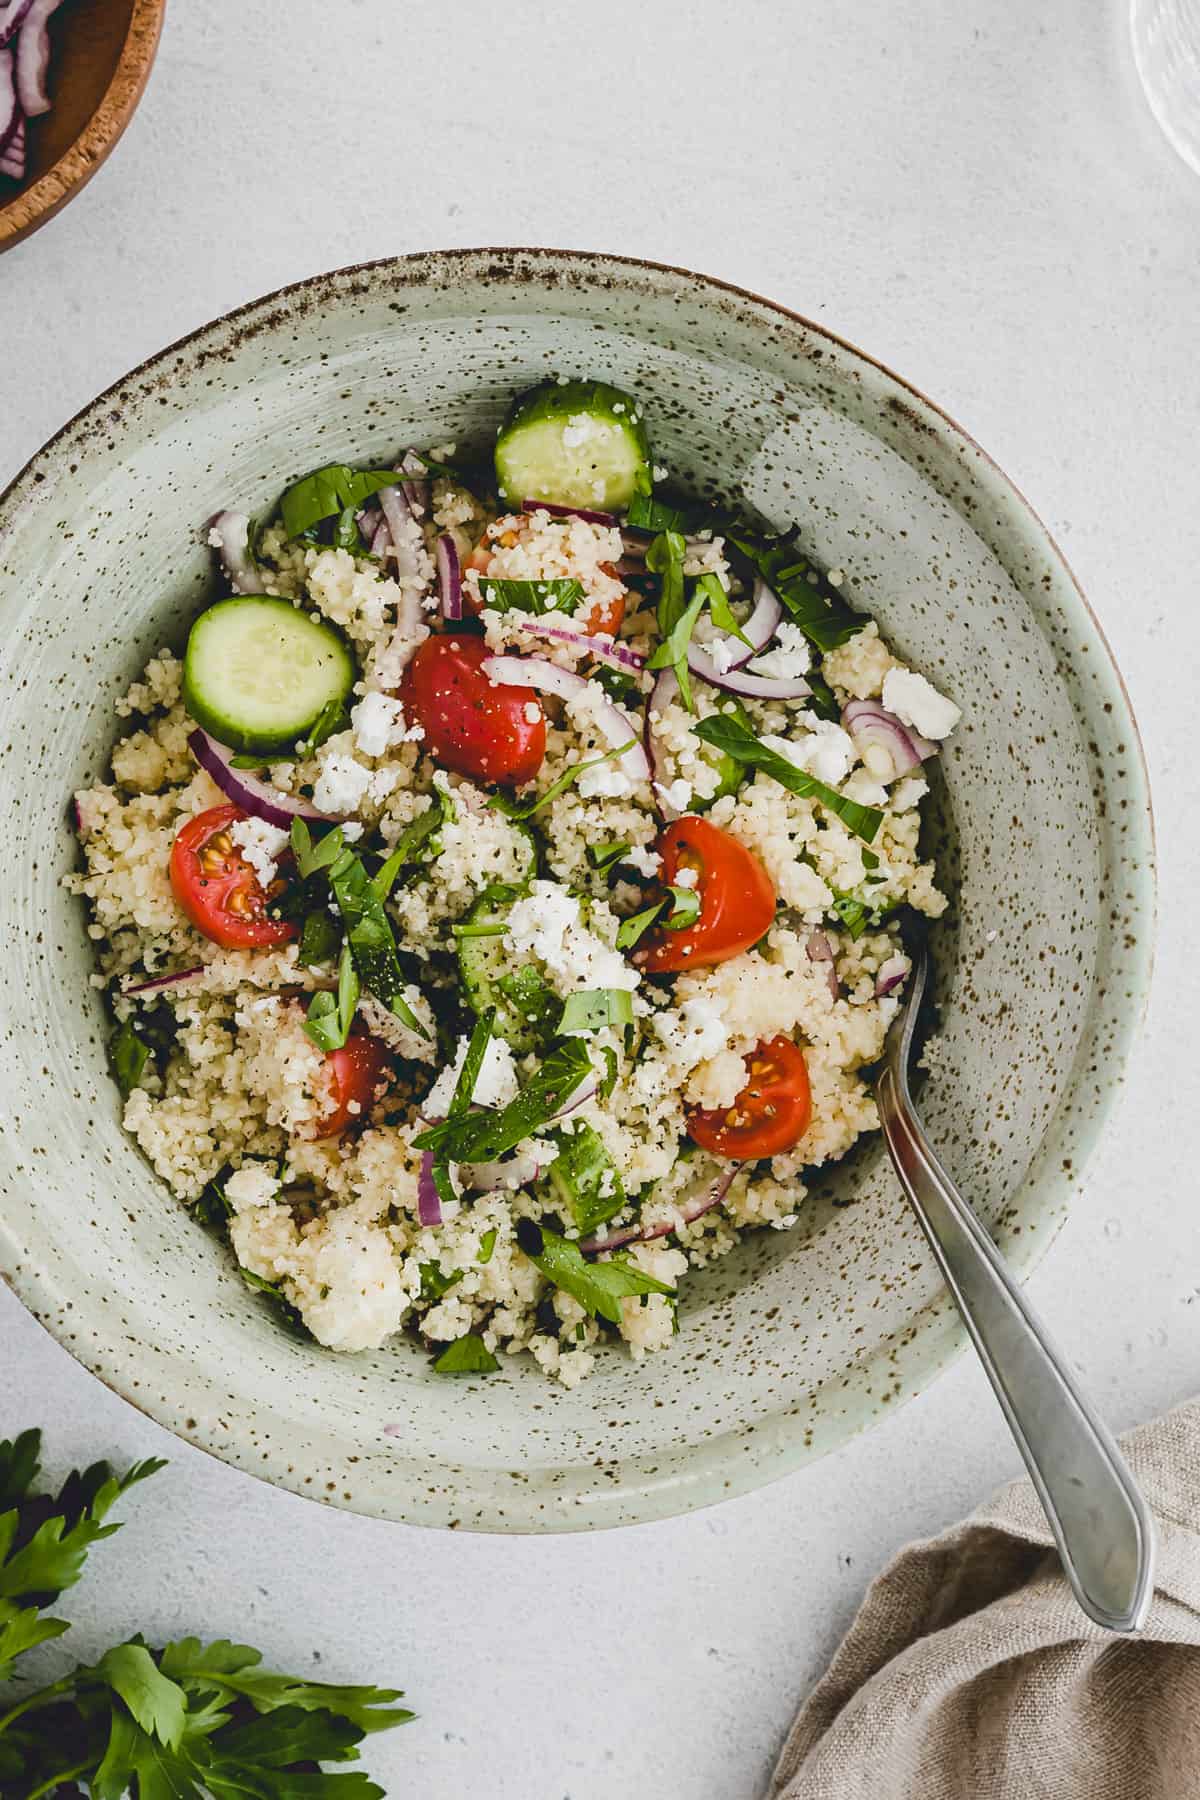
(498, 899)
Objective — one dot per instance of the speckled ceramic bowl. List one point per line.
(800, 1338)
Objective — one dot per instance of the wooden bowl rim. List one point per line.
(32, 206)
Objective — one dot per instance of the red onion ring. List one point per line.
(569, 512)
(603, 649)
(819, 949)
(415, 483)
(161, 981)
(869, 723)
(547, 678)
(684, 1215)
(233, 531)
(257, 798)
(449, 579)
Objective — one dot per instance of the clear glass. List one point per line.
(1166, 49)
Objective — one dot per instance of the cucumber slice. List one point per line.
(257, 672)
(578, 443)
(525, 1006)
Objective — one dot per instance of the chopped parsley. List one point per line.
(583, 1178)
(487, 1244)
(599, 1287)
(128, 1054)
(466, 1356)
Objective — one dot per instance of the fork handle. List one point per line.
(1100, 1521)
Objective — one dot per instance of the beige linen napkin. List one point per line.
(971, 1674)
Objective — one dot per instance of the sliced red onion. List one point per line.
(232, 530)
(161, 981)
(819, 949)
(890, 975)
(683, 1215)
(13, 14)
(760, 627)
(603, 649)
(403, 530)
(77, 815)
(380, 539)
(739, 681)
(569, 512)
(243, 787)
(429, 1203)
(665, 688)
(871, 724)
(33, 58)
(449, 579)
(547, 678)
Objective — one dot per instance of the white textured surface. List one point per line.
(975, 194)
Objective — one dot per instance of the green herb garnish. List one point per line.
(631, 931)
(808, 598)
(606, 856)
(320, 936)
(188, 1720)
(647, 514)
(594, 1009)
(330, 1016)
(672, 653)
(738, 740)
(525, 809)
(360, 901)
(719, 609)
(482, 1137)
(466, 1356)
(468, 1075)
(685, 908)
(599, 1287)
(540, 597)
(128, 1055)
(329, 492)
(487, 1244)
(435, 1285)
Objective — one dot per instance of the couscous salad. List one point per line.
(498, 899)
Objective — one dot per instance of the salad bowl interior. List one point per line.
(1041, 829)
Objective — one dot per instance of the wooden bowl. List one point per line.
(101, 55)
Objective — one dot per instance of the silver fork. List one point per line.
(1100, 1521)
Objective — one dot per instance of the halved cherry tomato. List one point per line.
(217, 888)
(769, 1116)
(737, 901)
(356, 1072)
(488, 730)
(601, 616)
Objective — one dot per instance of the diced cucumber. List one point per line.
(258, 672)
(575, 443)
(525, 1006)
(583, 1179)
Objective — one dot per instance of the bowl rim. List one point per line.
(706, 1481)
(31, 207)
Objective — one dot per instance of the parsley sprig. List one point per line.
(180, 1723)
